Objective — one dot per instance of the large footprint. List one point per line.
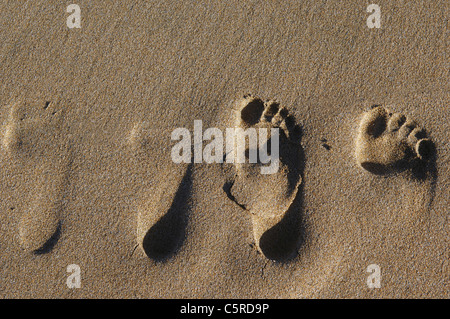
(34, 141)
(387, 142)
(270, 198)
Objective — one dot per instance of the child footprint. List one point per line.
(34, 141)
(387, 142)
(270, 198)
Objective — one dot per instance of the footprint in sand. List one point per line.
(37, 148)
(162, 212)
(270, 198)
(389, 142)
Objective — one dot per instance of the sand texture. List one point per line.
(87, 120)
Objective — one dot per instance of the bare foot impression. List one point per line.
(35, 144)
(270, 198)
(389, 142)
(162, 211)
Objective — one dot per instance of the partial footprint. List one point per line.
(35, 144)
(270, 198)
(387, 142)
(162, 212)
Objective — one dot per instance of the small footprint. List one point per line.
(162, 213)
(389, 142)
(270, 198)
(34, 141)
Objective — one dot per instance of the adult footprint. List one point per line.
(387, 142)
(163, 209)
(270, 198)
(34, 141)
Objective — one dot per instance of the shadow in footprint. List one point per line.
(50, 243)
(423, 169)
(282, 242)
(166, 236)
